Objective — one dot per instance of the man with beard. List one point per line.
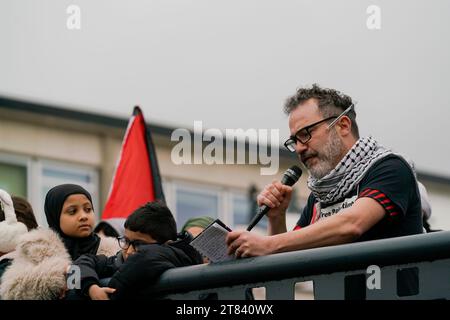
(359, 189)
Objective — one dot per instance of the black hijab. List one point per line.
(54, 202)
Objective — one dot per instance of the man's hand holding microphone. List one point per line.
(273, 201)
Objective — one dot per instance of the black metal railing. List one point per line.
(420, 261)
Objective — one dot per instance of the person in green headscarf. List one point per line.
(196, 225)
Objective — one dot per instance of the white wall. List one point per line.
(440, 205)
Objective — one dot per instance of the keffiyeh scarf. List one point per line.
(348, 173)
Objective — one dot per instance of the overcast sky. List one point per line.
(232, 63)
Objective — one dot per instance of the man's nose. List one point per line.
(300, 147)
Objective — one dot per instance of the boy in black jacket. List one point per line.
(149, 247)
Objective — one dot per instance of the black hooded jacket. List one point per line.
(134, 278)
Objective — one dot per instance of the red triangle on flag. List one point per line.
(136, 180)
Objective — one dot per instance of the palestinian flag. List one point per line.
(136, 180)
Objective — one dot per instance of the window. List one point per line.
(194, 202)
(188, 200)
(241, 210)
(245, 208)
(55, 173)
(31, 178)
(13, 178)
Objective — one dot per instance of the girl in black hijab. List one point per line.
(69, 212)
(39, 269)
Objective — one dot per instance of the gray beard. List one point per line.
(328, 159)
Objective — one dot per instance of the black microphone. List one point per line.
(290, 177)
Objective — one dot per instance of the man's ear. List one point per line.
(345, 126)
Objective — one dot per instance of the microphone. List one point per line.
(290, 177)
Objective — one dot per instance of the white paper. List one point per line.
(211, 243)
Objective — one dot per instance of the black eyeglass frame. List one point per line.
(292, 141)
(125, 243)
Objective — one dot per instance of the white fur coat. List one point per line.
(10, 228)
(38, 269)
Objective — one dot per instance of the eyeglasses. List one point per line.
(125, 243)
(304, 134)
(346, 111)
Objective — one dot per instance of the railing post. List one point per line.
(329, 287)
(280, 290)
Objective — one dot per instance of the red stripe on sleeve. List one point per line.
(372, 192)
(381, 198)
(314, 214)
(362, 194)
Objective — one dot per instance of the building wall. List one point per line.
(52, 143)
(40, 142)
(439, 195)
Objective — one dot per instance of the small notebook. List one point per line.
(211, 242)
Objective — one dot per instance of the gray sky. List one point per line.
(232, 63)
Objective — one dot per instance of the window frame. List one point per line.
(35, 181)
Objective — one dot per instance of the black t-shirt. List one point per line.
(391, 183)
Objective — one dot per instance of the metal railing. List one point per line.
(412, 267)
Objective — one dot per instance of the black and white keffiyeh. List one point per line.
(349, 172)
